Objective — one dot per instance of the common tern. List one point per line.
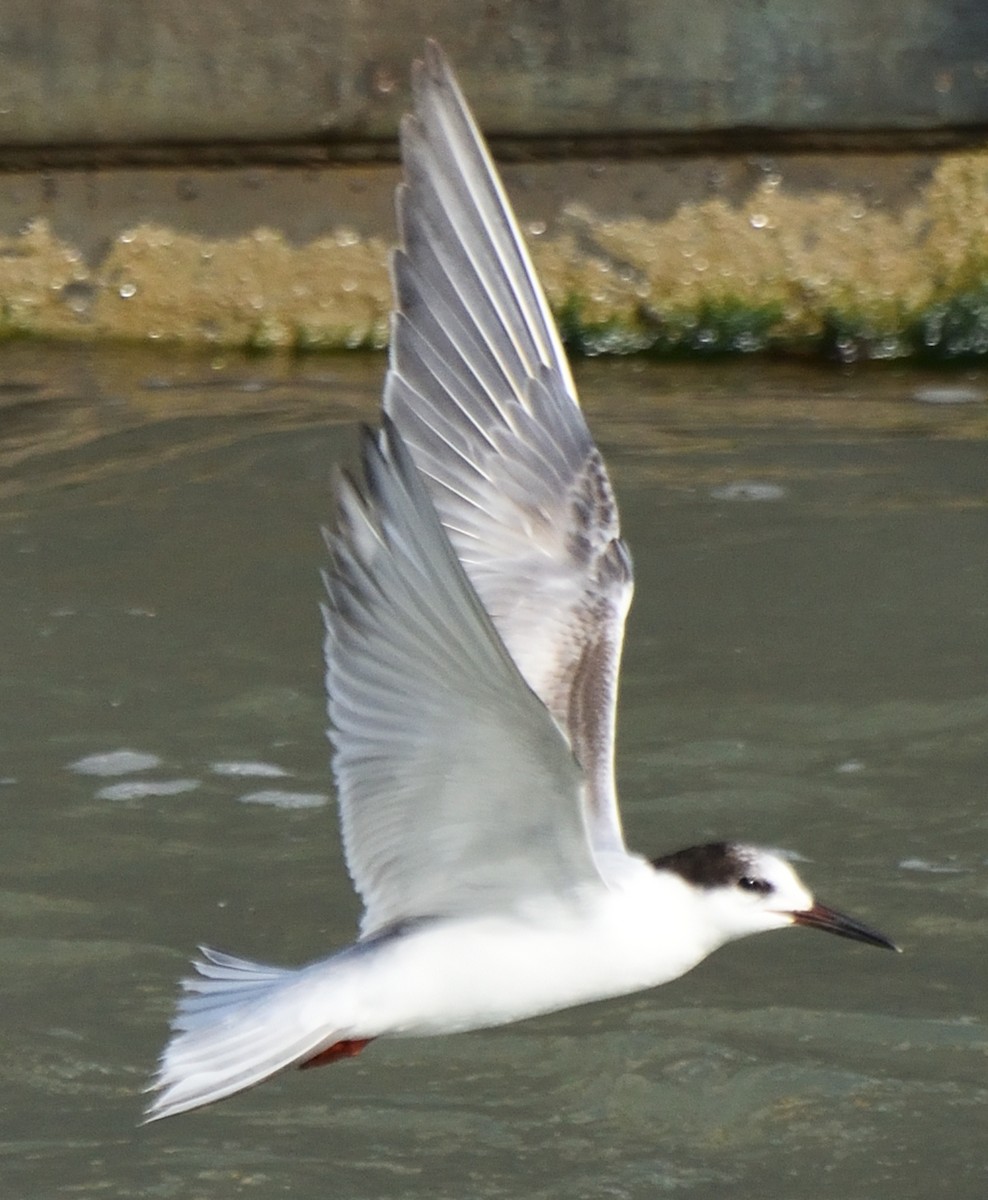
(477, 590)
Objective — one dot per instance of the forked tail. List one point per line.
(237, 1023)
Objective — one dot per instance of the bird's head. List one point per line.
(743, 889)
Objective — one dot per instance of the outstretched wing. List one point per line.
(458, 793)
(480, 389)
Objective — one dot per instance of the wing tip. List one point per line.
(433, 66)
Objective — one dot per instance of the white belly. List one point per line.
(241, 1022)
(469, 973)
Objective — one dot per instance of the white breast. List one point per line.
(475, 972)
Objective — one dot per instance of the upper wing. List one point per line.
(481, 391)
(457, 790)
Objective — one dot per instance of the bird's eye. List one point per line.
(748, 883)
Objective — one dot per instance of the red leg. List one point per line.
(348, 1048)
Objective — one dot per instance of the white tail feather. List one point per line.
(237, 1023)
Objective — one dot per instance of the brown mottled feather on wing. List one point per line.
(480, 389)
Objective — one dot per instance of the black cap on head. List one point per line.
(717, 864)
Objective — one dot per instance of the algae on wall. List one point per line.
(830, 271)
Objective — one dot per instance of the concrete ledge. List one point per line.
(873, 258)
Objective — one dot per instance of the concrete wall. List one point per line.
(708, 174)
(81, 78)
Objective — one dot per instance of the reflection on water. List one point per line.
(806, 669)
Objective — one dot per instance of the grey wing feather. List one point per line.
(479, 387)
(457, 790)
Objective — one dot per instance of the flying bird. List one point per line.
(476, 594)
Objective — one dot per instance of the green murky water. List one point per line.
(806, 668)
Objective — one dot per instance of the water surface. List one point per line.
(806, 668)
